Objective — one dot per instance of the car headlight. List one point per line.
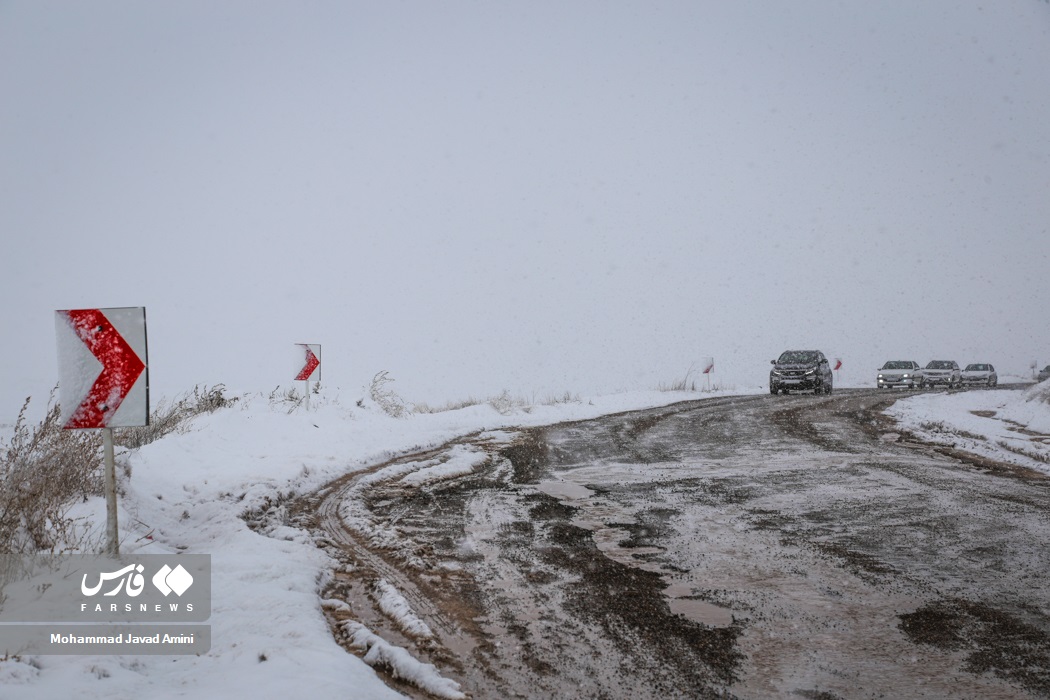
(905, 376)
(811, 371)
(880, 376)
(776, 372)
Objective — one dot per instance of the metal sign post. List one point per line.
(709, 367)
(311, 368)
(112, 537)
(103, 383)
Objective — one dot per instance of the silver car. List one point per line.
(900, 373)
(980, 374)
(943, 373)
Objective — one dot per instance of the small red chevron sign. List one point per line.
(313, 361)
(103, 376)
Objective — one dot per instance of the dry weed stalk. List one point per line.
(43, 471)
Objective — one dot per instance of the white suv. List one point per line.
(943, 372)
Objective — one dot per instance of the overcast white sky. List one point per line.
(532, 196)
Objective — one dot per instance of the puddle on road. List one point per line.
(700, 611)
(681, 601)
(595, 516)
(565, 490)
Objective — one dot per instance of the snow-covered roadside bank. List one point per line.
(187, 493)
(1005, 425)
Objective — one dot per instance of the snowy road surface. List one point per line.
(751, 547)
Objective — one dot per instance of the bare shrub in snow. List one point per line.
(505, 403)
(43, 470)
(686, 383)
(449, 406)
(289, 398)
(172, 416)
(385, 397)
(567, 397)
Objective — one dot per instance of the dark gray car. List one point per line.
(800, 370)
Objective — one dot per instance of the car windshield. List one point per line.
(898, 364)
(976, 368)
(939, 364)
(798, 357)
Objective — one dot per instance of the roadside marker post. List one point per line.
(838, 366)
(311, 369)
(103, 383)
(709, 367)
(112, 535)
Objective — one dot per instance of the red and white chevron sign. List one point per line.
(310, 371)
(103, 379)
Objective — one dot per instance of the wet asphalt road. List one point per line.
(751, 547)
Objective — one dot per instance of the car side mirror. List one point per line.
(772, 362)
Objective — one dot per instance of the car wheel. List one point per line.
(827, 389)
(773, 390)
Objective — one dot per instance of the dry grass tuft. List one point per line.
(43, 471)
(173, 416)
(385, 397)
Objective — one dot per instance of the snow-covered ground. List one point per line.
(187, 493)
(1006, 425)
